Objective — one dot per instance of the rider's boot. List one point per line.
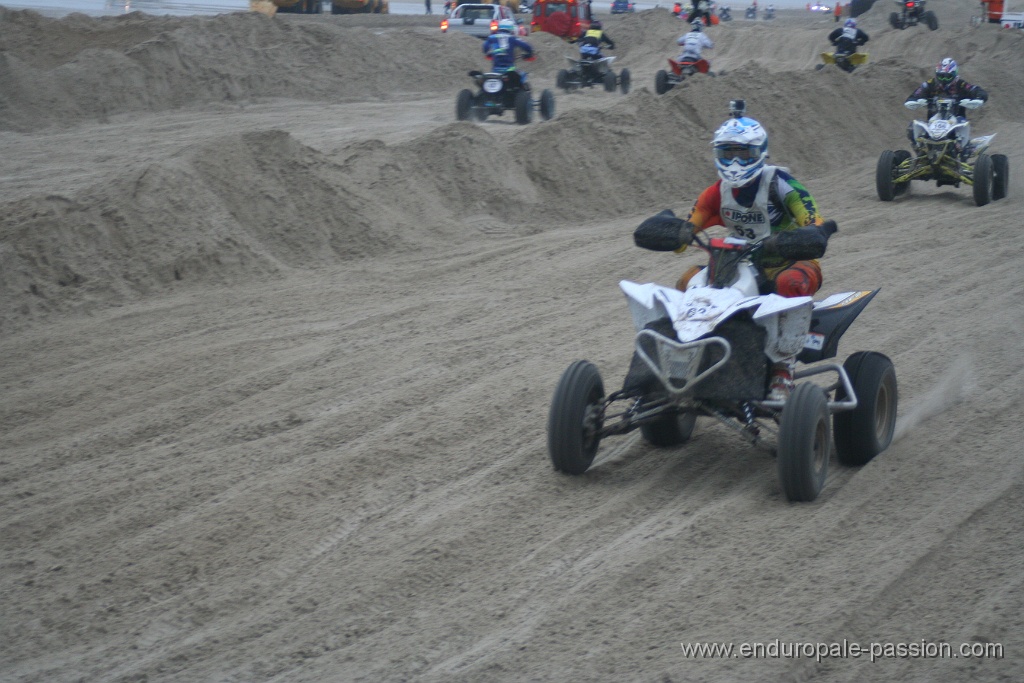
(968, 150)
(781, 384)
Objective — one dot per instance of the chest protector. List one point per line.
(751, 223)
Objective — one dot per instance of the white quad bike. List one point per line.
(708, 352)
(944, 151)
(585, 73)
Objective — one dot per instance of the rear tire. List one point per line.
(574, 420)
(671, 430)
(866, 431)
(894, 20)
(883, 176)
(524, 107)
(931, 20)
(547, 104)
(562, 80)
(805, 443)
(624, 79)
(1000, 176)
(464, 105)
(609, 82)
(983, 180)
(661, 85)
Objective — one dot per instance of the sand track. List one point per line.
(280, 338)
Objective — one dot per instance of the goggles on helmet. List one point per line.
(744, 154)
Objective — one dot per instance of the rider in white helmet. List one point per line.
(694, 42)
(756, 202)
(500, 47)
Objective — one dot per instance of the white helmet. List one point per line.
(741, 147)
(507, 25)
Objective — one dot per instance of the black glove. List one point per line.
(802, 244)
(663, 232)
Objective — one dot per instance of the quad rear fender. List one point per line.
(829, 321)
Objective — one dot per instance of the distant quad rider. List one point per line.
(947, 84)
(700, 9)
(694, 42)
(500, 47)
(757, 203)
(590, 43)
(848, 38)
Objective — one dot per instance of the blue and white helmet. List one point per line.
(507, 25)
(741, 147)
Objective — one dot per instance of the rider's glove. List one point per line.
(971, 104)
(915, 104)
(801, 244)
(663, 232)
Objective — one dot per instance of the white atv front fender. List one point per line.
(698, 311)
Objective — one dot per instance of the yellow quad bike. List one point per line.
(845, 61)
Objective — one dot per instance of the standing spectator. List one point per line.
(427, 3)
(839, 9)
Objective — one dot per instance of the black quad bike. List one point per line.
(501, 92)
(912, 13)
(587, 72)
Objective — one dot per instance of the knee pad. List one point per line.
(802, 279)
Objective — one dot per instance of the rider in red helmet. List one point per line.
(947, 83)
